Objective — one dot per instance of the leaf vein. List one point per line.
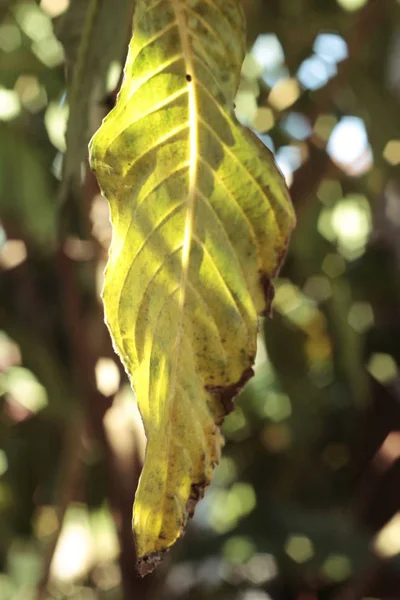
(163, 104)
(225, 285)
(228, 239)
(160, 141)
(233, 199)
(158, 35)
(198, 58)
(233, 155)
(209, 28)
(159, 184)
(159, 224)
(219, 11)
(158, 71)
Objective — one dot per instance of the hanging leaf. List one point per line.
(201, 220)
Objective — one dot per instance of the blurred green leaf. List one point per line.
(94, 33)
(5, 5)
(26, 189)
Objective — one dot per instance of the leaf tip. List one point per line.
(147, 564)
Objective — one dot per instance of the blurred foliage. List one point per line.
(304, 504)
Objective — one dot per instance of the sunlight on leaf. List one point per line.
(201, 219)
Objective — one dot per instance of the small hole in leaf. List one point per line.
(188, 77)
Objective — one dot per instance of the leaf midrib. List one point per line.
(190, 213)
(191, 197)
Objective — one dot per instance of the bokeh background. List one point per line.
(305, 502)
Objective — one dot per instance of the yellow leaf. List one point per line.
(201, 220)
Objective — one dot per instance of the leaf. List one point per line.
(201, 219)
(5, 6)
(27, 203)
(94, 33)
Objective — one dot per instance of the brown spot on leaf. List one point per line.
(269, 293)
(148, 563)
(227, 395)
(196, 494)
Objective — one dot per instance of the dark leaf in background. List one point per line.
(26, 187)
(95, 34)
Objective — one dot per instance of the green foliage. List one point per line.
(32, 192)
(94, 34)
